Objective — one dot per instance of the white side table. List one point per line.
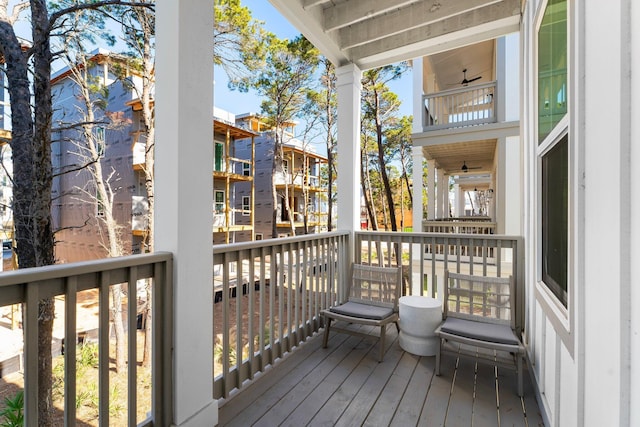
(419, 317)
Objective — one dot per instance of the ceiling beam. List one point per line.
(400, 20)
(351, 12)
(451, 33)
(306, 4)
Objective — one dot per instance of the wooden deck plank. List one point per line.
(265, 392)
(485, 405)
(314, 401)
(531, 408)
(410, 406)
(389, 399)
(341, 399)
(345, 385)
(461, 399)
(434, 411)
(365, 399)
(510, 405)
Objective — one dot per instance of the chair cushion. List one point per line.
(362, 311)
(490, 332)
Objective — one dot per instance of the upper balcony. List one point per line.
(465, 106)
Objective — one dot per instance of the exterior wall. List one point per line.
(584, 358)
(73, 211)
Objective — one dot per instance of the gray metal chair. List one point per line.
(372, 299)
(479, 312)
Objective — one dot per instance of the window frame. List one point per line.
(246, 206)
(561, 317)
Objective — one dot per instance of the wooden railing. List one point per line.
(460, 107)
(65, 283)
(269, 295)
(425, 256)
(457, 226)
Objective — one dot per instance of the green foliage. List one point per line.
(13, 413)
(88, 355)
(240, 42)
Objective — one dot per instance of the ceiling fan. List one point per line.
(466, 168)
(466, 81)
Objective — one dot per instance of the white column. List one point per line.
(418, 185)
(445, 198)
(348, 89)
(459, 201)
(440, 198)
(431, 189)
(184, 196)
(418, 91)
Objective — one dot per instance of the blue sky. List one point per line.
(236, 102)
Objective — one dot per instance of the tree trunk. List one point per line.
(366, 192)
(383, 170)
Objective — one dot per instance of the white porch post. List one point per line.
(418, 158)
(431, 189)
(417, 189)
(459, 204)
(440, 198)
(348, 88)
(445, 197)
(184, 196)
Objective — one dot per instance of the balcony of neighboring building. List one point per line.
(228, 165)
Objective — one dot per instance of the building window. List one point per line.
(259, 236)
(554, 150)
(555, 209)
(246, 205)
(219, 202)
(552, 67)
(218, 157)
(246, 169)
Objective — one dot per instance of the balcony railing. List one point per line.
(269, 295)
(66, 282)
(465, 106)
(267, 300)
(459, 226)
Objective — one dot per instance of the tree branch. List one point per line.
(95, 5)
(17, 10)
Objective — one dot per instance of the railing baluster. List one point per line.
(263, 281)
(103, 349)
(251, 286)
(132, 380)
(31, 355)
(239, 295)
(226, 387)
(70, 309)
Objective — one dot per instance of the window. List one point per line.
(554, 149)
(552, 67)
(219, 202)
(218, 157)
(259, 236)
(246, 169)
(555, 208)
(246, 205)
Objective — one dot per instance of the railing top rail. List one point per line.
(395, 235)
(232, 247)
(459, 90)
(36, 274)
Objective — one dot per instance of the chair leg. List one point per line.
(520, 386)
(383, 331)
(438, 357)
(325, 338)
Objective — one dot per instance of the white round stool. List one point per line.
(419, 317)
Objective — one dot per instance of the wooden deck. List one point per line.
(344, 385)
